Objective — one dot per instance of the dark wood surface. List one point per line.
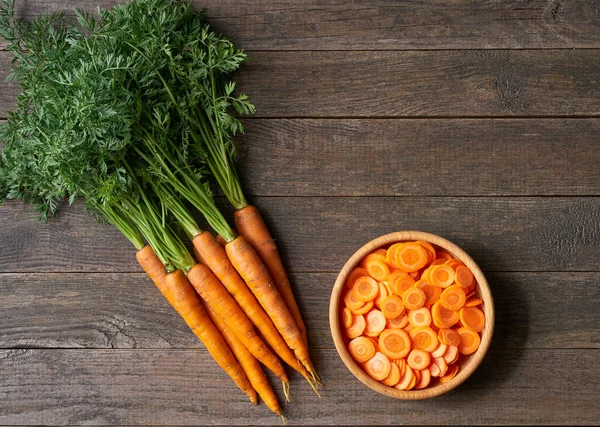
(477, 121)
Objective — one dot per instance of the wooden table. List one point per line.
(477, 121)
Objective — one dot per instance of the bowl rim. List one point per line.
(475, 359)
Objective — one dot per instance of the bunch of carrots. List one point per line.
(409, 312)
(133, 112)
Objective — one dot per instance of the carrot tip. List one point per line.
(286, 390)
(283, 419)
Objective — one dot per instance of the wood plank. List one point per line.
(380, 24)
(476, 83)
(185, 387)
(124, 310)
(320, 233)
(432, 157)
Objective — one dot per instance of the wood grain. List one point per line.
(380, 24)
(171, 387)
(320, 233)
(125, 310)
(478, 83)
(429, 157)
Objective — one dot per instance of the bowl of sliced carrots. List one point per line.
(411, 315)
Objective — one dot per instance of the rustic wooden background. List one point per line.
(478, 121)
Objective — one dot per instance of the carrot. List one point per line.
(418, 359)
(401, 366)
(363, 309)
(247, 361)
(181, 295)
(377, 269)
(221, 241)
(442, 275)
(442, 366)
(439, 351)
(251, 225)
(408, 328)
(347, 317)
(375, 342)
(424, 338)
(357, 327)
(445, 255)
(375, 323)
(417, 379)
(393, 378)
(375, 255)
(432, 293)
(351, 301)
(390, 253)
(381, 251)
(392, 307)
(442, 317)
(472, 318)
(434, 369)
(378, 367)
(411, 257)
(216, 296)
(365, 289)
(214, 256)
(355, 274)
(413, 298)
(452, 371)
(469, 293)
(469, 341)
(451, 354)
(420, 317)
(438, 261)
(453, 298)
(473, 302)
(406, 379)
(425, 379)
(400, 281)
(394, 343)
(449, 337)
(383, 294)
(361, 349)
(152, 265)
(464, 277)
(398, 322)
(430, 250)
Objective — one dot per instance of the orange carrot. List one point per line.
(411, 257)
(398, 322)
(425, 379)
(413, 298)
(394, 343)
(424, 338)
(432, 293)
(392, 307)
(351, 301)
(393, 378)
(375, 323)
(400, 281)
(355, 274)
(473, 302)
(378, 367)
(152, 265)
(452, 371)
(472, 318)
(406, 379)
(464, 277)
(453, 298)
(357, 328)
(347, 317)
(363, 309)
(420, 317)
(442, 275)
(449, 337)
(451, 354)
(469, 341)
(361, 349)
(418, 359)
(377, 269)
(383, 294)
(442, 317)
(375, 255)
(440, 350)
(365, 289)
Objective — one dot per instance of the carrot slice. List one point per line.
(445, 255)
(424, 338)
(469, 341)
(351, 301)
(347, 317)
(406, 379)
(378, 367)
(383, 293)
(464, 277)
(473, 302)
(375, 323)
(408, 328)
(398, 322)
(413, 298)
(413, 383)
(449, 337)
(400, 281)
(442, 317)
(365, 289)
(452, 371)
(442, 275)
(453, 298)
(438, 261)
(381, 251)
(357, 327)
(430, 250)
(364, 309)
(420, 317)
(375, 255)
(411, 257)
(361, 349)
(434, 369)
(378, 269)
(394, 343)
(432, 293)
(469, 293)
(390, 255)
(355, 274)
(439, 351)
(454, 263)
(418, 359)
(393, 378)
(450, 354)
(472, 318)
(442, 365)
(392, 307)
(425, 379)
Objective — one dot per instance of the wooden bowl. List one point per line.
(468, 364)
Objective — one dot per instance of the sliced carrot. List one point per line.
(365, 289)
(453, 298)
(374, 340)
(393, 378)
(400, 281)
(472, 318)
(439, 351)
(469, 341)
(442, 275)
(375, 322)
(372, 256)
(420, 317)
(442, 365)
(390, 254)
(355, 274)
(416, 275)
(434, 369)
(455, 358)
(392, 307)
(452, 371)
(383, 293)
(394, 343)
(411, 257)
(469, 293)
(351, 301)
(442, 317)
(464, 277)
(413, 382)
(424, 338)
(363, 309)
(454, 263)
(425, 379)
(381, 251)
(449, 337)
(378, 269)
(398, 322)
(408, 328)
(347, 317)
(445, 255)
(406, 379)
(357, 327)
(430, 250)
(378, 367)
(401, 365)
(413, 298)
(432, 293)
(418, 359)
(473, 302)
(361, 349)
(438, 261)
(450, 354)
